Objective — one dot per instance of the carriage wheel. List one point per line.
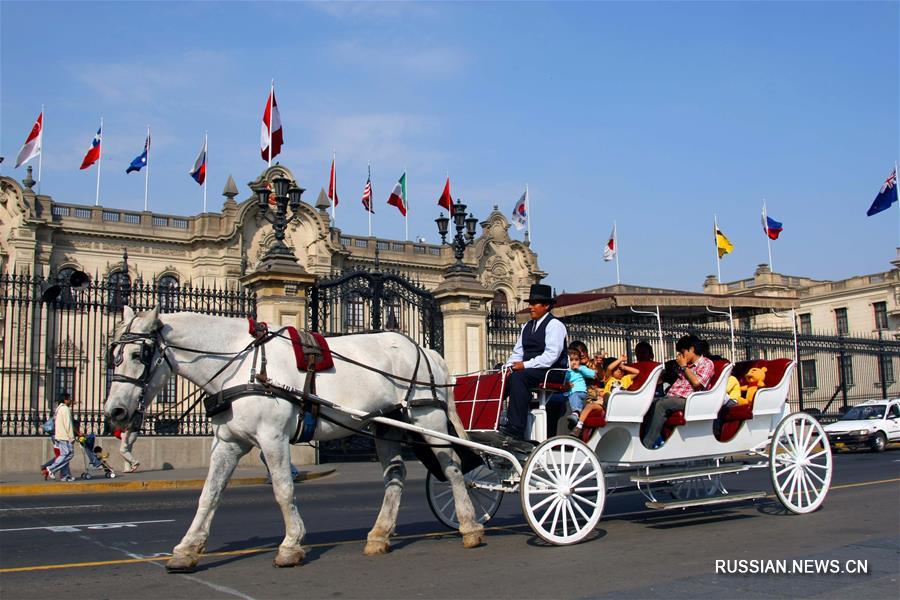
(485, 500)
(563, 490)
(800, 463)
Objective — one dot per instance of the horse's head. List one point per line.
(140, 366)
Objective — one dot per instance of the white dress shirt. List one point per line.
(554, 343)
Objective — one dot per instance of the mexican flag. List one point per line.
(398, 195)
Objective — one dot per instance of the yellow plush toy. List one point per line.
(754, 379)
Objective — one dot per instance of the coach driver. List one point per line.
(541, 346)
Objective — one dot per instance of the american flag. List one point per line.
(367, 195)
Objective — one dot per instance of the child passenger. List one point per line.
(618, 375)
(575, 377)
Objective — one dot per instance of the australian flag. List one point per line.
(141, 160)
(887, 195)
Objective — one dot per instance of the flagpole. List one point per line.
(369, 209)
(41, 155)
(205, 166)
(99, 162)
(768, 238)
(271, 117)
(716, 244)
(896, 191)
(147, 174)
(528, 211)
(616, 243)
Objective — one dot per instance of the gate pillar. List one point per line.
(282, 292)
(464, 304)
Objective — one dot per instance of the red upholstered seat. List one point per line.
(553, 386)
(645, 367)
(478, 399)
(732, 417)
(719, 366)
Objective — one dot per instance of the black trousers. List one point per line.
(518, 386)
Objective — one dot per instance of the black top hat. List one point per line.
(540, 294)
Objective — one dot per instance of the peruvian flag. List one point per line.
(332, 185)
(199, 170)
(609, 251)
(445, 200)
(398, 195)
(93, 153)
(32, 146)
(271, 121)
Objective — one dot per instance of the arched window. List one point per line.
(499, 303)
(119, 290)
(167, 287)
(65, 298)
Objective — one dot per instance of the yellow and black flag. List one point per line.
(723, 245)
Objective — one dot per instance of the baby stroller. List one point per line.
(94, 459)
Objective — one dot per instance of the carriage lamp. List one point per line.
(286, 196)
(465, 234)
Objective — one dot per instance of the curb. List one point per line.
(106, 485)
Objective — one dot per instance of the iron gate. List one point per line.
(47, 348)
(358, 301)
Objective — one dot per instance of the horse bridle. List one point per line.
(150, 344)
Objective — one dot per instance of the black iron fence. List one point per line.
(833, 372)
(47, 348)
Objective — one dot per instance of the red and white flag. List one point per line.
(32, 146)
(445, 200)
(332, 186)
(271, 122)
(609, 251)
(93, 153)
(398, 195)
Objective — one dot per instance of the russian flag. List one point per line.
(199, 170)
(93, 153)
(771, 227)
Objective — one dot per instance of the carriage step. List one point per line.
(676, 475)
(705, 501)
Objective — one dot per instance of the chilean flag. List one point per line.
(199, 170)
(93, 153)
(771, 227)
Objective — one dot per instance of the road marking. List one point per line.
(78, 528)
(66, 507)
(158, 558)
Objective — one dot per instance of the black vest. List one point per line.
(534, 342)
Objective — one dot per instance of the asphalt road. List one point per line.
(102, 546)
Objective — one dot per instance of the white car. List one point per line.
(870, 425)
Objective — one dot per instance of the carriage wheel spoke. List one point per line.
(592, 503)
(811, 445)
(818, 466)
(446, 505)
(781, 472)
(594, 488)
(543, 480)
(575, 505)
(543, 502)
(571, 510)
(557, 508)
(813, 474)
(817, 454)
(577, 472)
(549, 510)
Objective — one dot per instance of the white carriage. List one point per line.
(563, 481)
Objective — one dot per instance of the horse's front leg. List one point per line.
(278, 457)
(471, 530)
(387, 444)
(223, 460)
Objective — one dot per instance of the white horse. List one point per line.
(151, 347)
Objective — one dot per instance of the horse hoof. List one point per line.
(373, 548)
(181, 564)
(289, 558)
(473, 540)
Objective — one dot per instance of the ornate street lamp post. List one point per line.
(285, 195)
(460, 240)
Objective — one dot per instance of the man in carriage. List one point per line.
(541, 346)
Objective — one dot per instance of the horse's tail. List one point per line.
(451, 403)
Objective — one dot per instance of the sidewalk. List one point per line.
(28, 484)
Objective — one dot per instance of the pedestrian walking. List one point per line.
(64, 431)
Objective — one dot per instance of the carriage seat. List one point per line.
(677, 418)
(261, 328)
(732, 417)
(640, 386)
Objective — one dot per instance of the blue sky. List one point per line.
(656, 115)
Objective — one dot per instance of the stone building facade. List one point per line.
(43, 235)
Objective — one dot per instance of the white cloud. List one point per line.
(402, 60)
